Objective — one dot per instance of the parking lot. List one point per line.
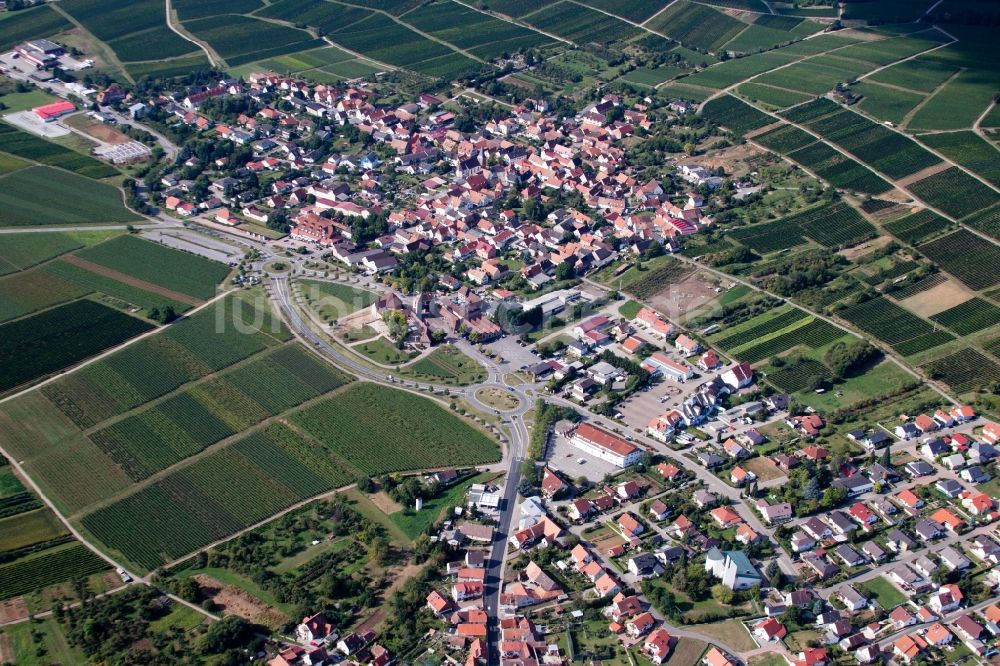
(564, 457)
(516, 356)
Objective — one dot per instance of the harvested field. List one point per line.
(936, 298)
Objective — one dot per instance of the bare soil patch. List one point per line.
(98, 130)
(12, 610)
(853, 253)
(733, 159)
(763, 468)
(233, 601)
(385, 503)
(682, 297)
(131, 281)
(924, 173)
(606, 542)
(937, 299)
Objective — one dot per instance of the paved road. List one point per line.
(281, 294)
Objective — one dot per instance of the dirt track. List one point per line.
(131, 281)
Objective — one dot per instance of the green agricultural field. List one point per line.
(968, 149)
(771, 97)
(518, 7)
(768, 237)
(242, 39)
(736, 115)
(784, 139)
(886, 103)
(193, 9)
(373, 428)
(896, 326)
(51, 566)
(29, 528)
(917, 226)
(383, 39)
(987, 221)
(53, 340)
(838, 170)
(21, 251)
(808, 331)
(758, 38)
(975, 89)
(135, 30)
(175, 67)
(581, 25)
(122, 293)
(811, 78)
(9, 163)
(727, 73)
(969, 317)
(955, 192)
(758, 327)
(320, 14)
(966, 256)
(469, 29)
(965, 370)
(887, 151)
(157, 264)
(697, 26)
(832, 225)
(70, 199)
(633, 10)
(645, 76)
(155, 438)
(261, 474)
(42, 21)
(28, 146)
(30, 291)
(919, 75)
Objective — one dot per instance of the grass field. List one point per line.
(382, 351)
(331, 301)
(69, 200)
(414, 523)
(31, 147)
(447, 365)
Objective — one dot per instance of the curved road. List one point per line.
(514, 418)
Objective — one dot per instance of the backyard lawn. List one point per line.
(882, 591)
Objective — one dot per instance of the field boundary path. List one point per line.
(118, 276)
(515, 21)
(106, 51)
(214, 59)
